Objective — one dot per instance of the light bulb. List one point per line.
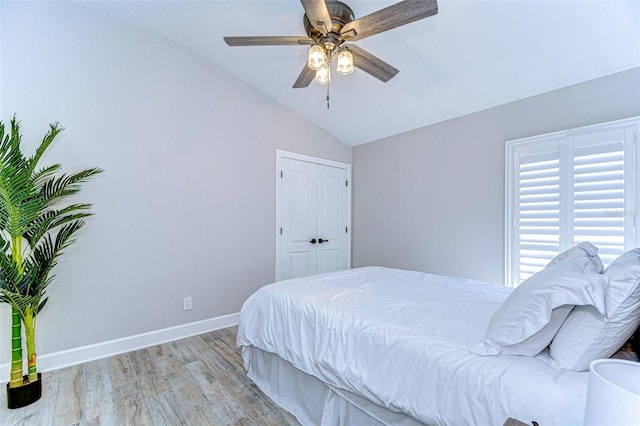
(345, 62)
(317, 57)
(323, 74)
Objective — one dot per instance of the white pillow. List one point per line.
(583, 250)
(532, 314)
(586, 334)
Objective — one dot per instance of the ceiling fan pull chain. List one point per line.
(328, 95)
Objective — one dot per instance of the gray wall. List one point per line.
(433, 199)
(187, 203)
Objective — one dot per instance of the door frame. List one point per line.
(280, 154)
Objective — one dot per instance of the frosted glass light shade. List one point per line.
(317, 57)
(613, 393)
(345, 62)
(323, 74)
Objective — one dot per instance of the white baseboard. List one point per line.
(57, 360)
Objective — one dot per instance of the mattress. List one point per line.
(400, 339)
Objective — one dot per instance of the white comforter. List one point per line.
(401, 339)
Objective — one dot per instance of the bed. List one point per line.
(377, 345)
(382, 346)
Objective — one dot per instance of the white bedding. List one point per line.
(401, 340)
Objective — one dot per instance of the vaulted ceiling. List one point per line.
(471, 56)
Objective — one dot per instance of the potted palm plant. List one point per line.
(37, 222)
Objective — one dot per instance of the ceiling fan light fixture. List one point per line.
(323, 74)
(345, 62)
(317, 57)
(329, 24)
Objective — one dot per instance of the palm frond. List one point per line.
(4, 138)
(52, 219)
(10, 275)
(38, 265)
(10, 152)
(18, 301)
(63, 239)
(4, 244)
(40, 306)
(56, 188)
(19, 200)
(43, 174)
(54, 130)
(12, 195)
(45, 256)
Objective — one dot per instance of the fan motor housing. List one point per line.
(340, 14)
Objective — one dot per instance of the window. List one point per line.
(567, 187)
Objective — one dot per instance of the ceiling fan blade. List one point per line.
(390, 17)
(371, 64)
(267, 41)
(318, 15)
(305, 77)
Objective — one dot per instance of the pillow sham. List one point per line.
(583, 250)
(586, 334)
(532, 314)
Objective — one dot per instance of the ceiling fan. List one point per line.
(330, 25)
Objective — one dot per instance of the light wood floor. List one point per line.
(195, 381)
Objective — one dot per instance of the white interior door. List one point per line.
(312, 218)
(331, 218)
(298, 215)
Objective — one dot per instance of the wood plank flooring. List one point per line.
(199, 380)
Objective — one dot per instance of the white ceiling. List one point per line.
(472, 56)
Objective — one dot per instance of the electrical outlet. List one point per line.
(186, 303)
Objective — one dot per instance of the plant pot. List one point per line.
(24, 395)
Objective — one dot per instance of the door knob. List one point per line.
(313, 241)
(320, 240)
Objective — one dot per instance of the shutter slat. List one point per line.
(595, 170)
(539, 182)
(598, 222)
(539, 161)
(599, 186)
(582, 214)
(541, 207)
(533, 175)
(599, 195)
(539, 230)
(597, 232)
(549, 189)
(538, 198)
(602, 150)
(599, 205)
(600, 177)
(538, 251)
(542, 214)
(528, 223)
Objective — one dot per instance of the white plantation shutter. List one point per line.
(568, 187)
(539, 212)
(598, 194)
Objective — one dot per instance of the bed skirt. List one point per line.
(312, 401)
